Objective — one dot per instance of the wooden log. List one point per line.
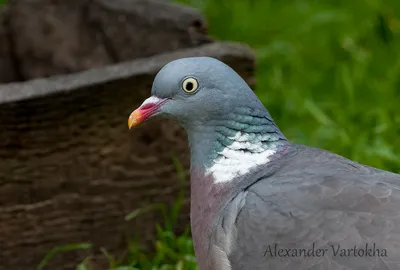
(59, 37)
(8, 72)
(70, 169)
(142, 28)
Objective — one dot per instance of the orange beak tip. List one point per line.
(134, 119)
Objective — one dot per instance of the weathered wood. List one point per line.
(59, 37)
(70, 169)
(141, 28)
(8, 71)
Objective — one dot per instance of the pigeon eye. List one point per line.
(190, 85)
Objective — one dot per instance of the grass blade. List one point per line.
(61, 249)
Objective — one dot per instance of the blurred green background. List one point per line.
(328, 72)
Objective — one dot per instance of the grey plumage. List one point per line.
(316, 197)
(253, 193)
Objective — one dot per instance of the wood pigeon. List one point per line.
(260, 202)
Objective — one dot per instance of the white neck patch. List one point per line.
(233, 161)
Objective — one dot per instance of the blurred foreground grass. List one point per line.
(329, 73)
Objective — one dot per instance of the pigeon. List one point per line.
(259, 201)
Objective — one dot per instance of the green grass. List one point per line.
(3, 2)
(329, 73)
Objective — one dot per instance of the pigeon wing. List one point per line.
(315, 212)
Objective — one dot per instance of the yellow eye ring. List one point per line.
(190, 85)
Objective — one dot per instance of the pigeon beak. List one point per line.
(148, 108)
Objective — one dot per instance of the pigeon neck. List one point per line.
(230, 147)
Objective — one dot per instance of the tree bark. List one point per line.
(8, 72)
(52, 37)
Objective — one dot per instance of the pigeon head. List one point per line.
(225, 121)
(195, 91)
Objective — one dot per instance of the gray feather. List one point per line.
(315, 198)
